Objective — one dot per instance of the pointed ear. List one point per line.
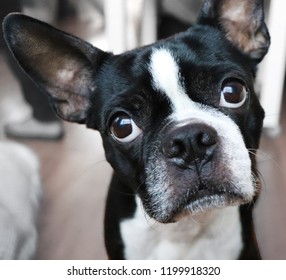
(242, 22)
(62, 65)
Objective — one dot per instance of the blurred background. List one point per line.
(74, 171)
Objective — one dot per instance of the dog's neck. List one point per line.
(212, 235)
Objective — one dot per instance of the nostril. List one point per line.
(174, 148)
(192, 144)
(208, 139)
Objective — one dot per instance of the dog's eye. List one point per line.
(233, 94)
(123, 128)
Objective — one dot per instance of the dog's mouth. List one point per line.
(197, 201)
(206, 201)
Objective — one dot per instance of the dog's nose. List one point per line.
(190, 145)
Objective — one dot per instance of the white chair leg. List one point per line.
(272, 71)
(149, 22)
(115, 25)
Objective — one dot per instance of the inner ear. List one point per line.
(61, 64)
(242, 22)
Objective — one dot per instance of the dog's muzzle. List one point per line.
(196, 166)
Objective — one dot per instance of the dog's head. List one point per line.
(179, 119)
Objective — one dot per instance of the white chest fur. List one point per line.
(213, 235)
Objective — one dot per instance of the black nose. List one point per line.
(192, 144)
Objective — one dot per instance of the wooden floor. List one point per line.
(76, 175)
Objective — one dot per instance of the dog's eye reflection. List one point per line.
(233, 94)
(123, 128)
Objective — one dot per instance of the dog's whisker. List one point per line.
(267, 158)
(90, 167)
(122, 193)
(151, 222)
(139, 187)
(131, 194)
(95, 164)
(262, 155)
(261, 179)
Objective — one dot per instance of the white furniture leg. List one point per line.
(149, 22)
(115, 25)
(273, 68)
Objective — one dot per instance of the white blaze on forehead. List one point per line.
(165, 72)
(166, 78)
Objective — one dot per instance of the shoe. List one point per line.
(34, 129)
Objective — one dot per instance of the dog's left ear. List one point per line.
(62, 65)
(242, 22)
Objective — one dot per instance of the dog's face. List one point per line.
(179, 119)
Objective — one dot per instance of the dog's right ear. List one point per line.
(61, 64)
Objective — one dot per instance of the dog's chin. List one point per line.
(207, 204)
(199, 204)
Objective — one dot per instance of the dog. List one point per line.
(180, 124)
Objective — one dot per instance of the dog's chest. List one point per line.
(215, 235)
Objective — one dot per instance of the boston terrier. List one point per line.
(180, 123)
